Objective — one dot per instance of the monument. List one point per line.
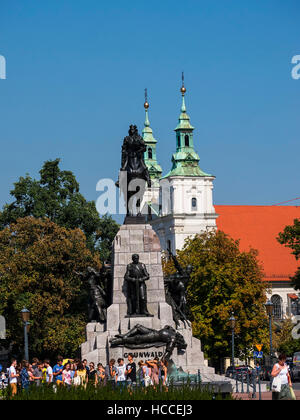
(136, 290)
(147, 314)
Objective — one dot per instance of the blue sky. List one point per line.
(76, 73)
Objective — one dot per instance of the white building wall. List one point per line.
(176, 224)
(179, 220)
(283, 291)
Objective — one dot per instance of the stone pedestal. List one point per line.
(142, 240)
(131, 239)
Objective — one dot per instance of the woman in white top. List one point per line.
(281, 371)
(67, 375)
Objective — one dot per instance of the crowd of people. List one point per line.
(70, 373)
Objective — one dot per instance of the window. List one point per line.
(178, 141)
(150, 154)
(277, 310)
(172, 199)
(194, 203)
(187, 141)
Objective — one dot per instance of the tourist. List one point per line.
(80, 373)
(49, 371)
(38, 373)
(283, 378)
(67, 376)
(141, 372)
(44, 373)
(76, 364)
(100, 376)
(13, 377)
(121, 373)
(92, 374)
(73, 371)
(24, 375)
(131, 371)
(147, 371)
(30, 374)
(164, 372)
(58, 371)
(110, 372)
(3, 380)
(35, 362)
(154, 364)
(18, 369)
(86, 366)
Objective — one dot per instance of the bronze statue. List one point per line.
(97, 300)
(133, 164)
(141, 337)
(135, 280)
(175, 287)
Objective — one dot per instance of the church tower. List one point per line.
(154, 168)
(150, 204)
(186, 192)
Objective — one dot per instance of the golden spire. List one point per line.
(146, 104)
(182, 89)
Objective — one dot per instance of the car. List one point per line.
(239, 372)
(230, 372)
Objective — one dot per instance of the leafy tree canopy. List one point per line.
(56, 196)
(283, 340)
(108, 228)
(290, 237)
(224, 280)
(38, 261)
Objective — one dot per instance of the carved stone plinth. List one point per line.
(141, 239)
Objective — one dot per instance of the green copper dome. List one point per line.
(185, 162)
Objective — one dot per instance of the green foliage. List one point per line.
(38, 261)
(283, 340)
(290, 237)
(183, 393)
(224, 280)
(108, 228)
(56, 196)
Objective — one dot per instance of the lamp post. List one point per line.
(269, 307)
(25, 315)
(232, 323)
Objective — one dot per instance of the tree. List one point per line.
(108, 228)
(38, 261)
(290, 237)
(56, 196)
(283, 339)
(224, 280)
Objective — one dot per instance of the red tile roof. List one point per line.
(257, 227)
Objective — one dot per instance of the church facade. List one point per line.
(182, 205)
